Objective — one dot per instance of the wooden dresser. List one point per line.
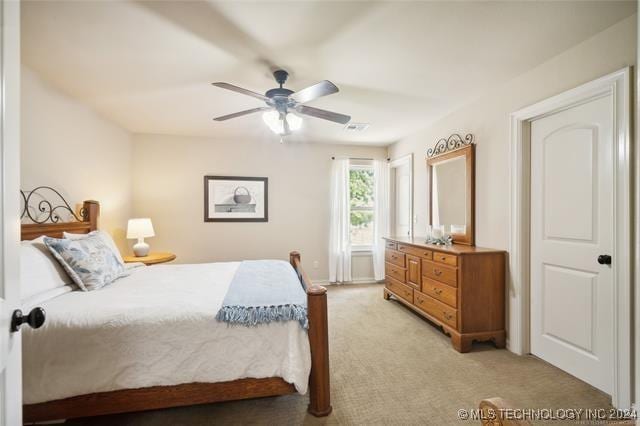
(460, 288)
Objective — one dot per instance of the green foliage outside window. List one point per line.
(361, 187)
(361, 191)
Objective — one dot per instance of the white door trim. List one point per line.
(11, 376)
(618, 84)
(401, 161)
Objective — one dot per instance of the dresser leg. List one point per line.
(386, 295)
(460, 343)
(500, 340)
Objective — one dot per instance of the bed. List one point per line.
(150, 340)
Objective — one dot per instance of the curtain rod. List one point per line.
(358, 158)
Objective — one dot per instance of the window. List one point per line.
(361, 203)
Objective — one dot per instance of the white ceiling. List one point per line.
(399, 65)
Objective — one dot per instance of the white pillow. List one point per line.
(39, 271)
(89, 261)
(105, 236)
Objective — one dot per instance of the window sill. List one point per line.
(361, 251)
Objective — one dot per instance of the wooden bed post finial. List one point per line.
(91, 211)
(293, 256)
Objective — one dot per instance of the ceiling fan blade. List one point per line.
(323, 113)
(316, 91)
(241, 90)
(241, 113)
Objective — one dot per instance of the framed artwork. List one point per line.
(236, 199)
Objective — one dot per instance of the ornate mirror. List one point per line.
(451, 167)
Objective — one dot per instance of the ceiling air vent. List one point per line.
(356, 127)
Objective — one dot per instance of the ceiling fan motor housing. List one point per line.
(278, 93)
(280, 96)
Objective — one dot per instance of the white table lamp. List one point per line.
(140, 228)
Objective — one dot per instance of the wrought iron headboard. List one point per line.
(42, 209)
(46, 212)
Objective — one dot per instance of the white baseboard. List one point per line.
(356, 281)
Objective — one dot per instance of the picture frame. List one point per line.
(236, 199)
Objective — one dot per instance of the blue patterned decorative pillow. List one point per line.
(89, 261)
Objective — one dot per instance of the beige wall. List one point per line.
(488, 119)
(67, 146)
(168, 187)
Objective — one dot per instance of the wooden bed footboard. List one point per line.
(319, 381)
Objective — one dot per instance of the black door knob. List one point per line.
(35, 319)
(604, 259)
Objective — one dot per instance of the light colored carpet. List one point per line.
(390, 366)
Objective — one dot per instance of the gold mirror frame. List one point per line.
(468, 238)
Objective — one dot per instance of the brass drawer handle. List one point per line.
(438, 291)
(426, 254)
(448, 316)
(420, 301)
(437, 272)
(407, 293)
(443, 258)
(394, 257)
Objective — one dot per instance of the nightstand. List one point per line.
(151, 259)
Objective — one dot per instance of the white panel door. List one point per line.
(571, 226)
(10, 344)
(402, 202)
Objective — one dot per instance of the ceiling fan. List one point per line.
(284, 105)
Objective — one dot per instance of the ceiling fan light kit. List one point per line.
(284, 106)
(279, 124)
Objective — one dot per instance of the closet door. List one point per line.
(572, 220)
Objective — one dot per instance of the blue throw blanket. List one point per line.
(263, 291)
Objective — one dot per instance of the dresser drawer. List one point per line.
(415, 251)
(391, 245)
(444, 313)
(394, 257)
(448, 259)
(440, 272)
(442, 292)
(399, 289)
(395, 271)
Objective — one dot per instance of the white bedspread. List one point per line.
(155, 327)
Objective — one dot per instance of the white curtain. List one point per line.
(381, 215)
(339, 241)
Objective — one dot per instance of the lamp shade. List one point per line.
(140, 228)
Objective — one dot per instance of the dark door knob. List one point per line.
(35, 319)
(604, 259)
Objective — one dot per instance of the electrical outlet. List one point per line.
(316, 264)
